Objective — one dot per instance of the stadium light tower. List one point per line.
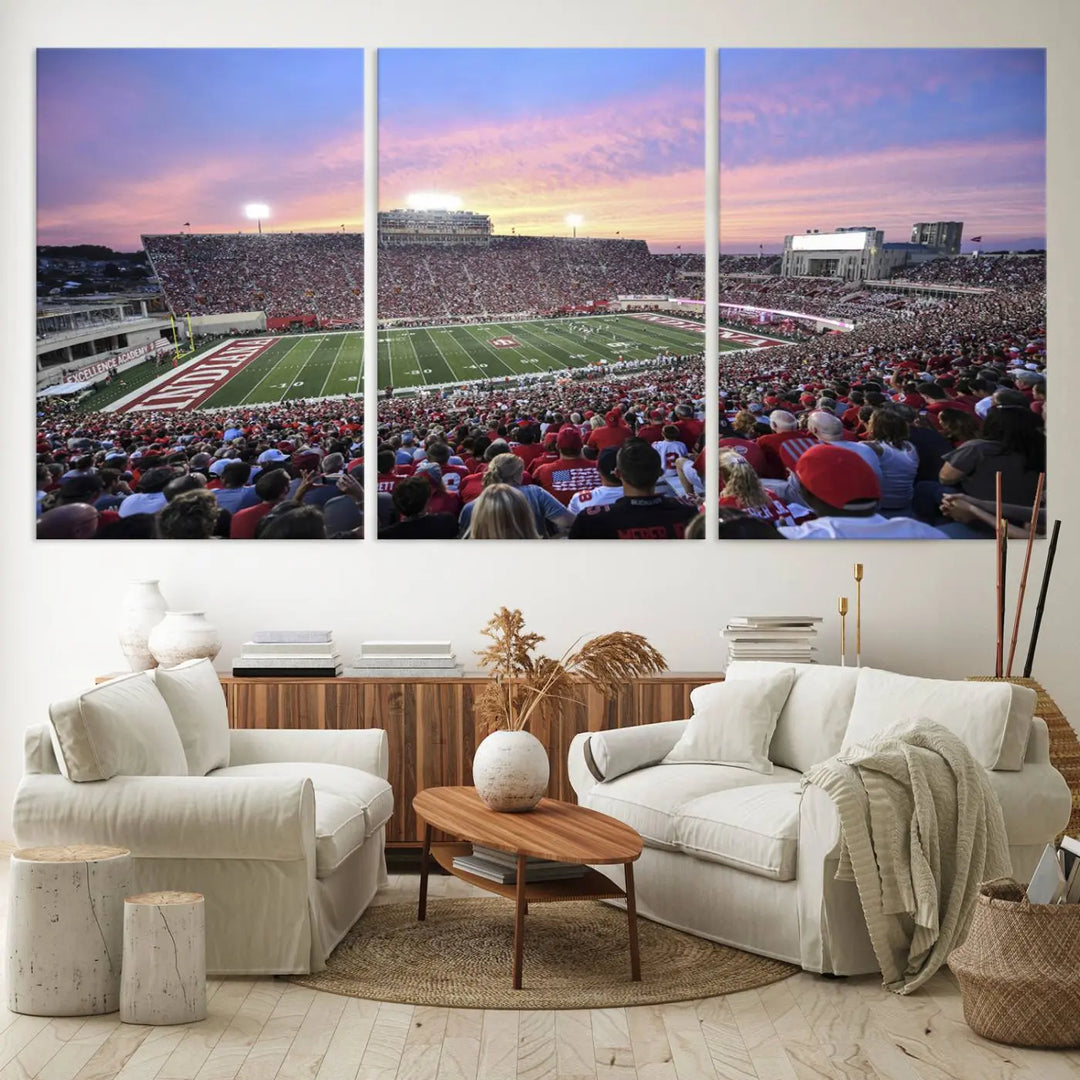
(256, 211)
(574, 220)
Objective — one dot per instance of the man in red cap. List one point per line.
(843, 491)
(571, 472)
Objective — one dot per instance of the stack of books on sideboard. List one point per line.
(789, 638)
(501, 866)
(288, 654)
(405, 660)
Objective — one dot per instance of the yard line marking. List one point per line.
(288, 352)
(330, 369)
(444, 356)
(303, 368)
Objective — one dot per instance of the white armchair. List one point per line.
(285, 841)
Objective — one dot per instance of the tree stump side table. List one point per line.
(65, 929)
(164, 976)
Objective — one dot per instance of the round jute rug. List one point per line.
(577, 956)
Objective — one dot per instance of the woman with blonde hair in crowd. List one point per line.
(742, 490)
(501, 512)
(549, 515)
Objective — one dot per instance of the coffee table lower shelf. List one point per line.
(591, 886)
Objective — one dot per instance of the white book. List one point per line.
(369, 649)
(1071, 845)
(288, 648)
(264, 637)
(1047, 883)
(405, 673)
(385, 663)
(774, 620)
(748, 633)
(285, 661)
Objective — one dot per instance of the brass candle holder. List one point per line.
(842, 608)
(858, 614)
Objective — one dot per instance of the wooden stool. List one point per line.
(64, 929)
(164, 977)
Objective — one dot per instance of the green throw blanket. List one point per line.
(921, 829)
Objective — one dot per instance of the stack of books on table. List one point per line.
(501, 866)
(405, 660)
(787, 638)
(288, 654)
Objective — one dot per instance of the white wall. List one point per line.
(928, 607)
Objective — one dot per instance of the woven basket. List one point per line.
(1019, 969)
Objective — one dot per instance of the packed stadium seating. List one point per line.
(287, 274)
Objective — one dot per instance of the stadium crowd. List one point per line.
(321, 274)
(985, 271)
(896, 429)
(281, 274)
(524, 274)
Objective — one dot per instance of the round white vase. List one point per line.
(510, 770)
(143, 608)
(184, 635)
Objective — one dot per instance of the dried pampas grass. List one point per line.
(524, 684)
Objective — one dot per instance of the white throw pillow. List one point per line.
(121, 728)
(812, 722)
(992, 719)
(196, 700)
(733, 722)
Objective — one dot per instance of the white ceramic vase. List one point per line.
(143, 608)
(184, 635)
(510, 770)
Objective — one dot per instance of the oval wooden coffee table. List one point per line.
(552, 830)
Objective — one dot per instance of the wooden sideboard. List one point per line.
(431, 725)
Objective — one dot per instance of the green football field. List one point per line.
(325, 365)
(331, 364)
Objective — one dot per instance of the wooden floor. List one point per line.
(260, 1029)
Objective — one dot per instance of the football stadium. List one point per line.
(550, 350)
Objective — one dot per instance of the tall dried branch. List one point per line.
(611, 660)
(524, 685)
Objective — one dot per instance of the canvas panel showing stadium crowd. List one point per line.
(541, 362)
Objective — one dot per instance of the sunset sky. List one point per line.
(532, 135)
(137, 141)
(818, 138)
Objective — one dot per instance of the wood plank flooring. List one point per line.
(804, 1028)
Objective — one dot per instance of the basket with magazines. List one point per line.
(1019, 969)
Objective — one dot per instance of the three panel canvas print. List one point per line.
(541, 294)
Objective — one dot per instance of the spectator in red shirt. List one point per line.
(528, 448)
(741, 437)
(388, 477)
(784, 427)
(272, 487)
(569, 474)
(442, 501)
(452, 475)
(613, 432)
(690, 430)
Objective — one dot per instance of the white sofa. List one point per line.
(281, 830)
(748, 858)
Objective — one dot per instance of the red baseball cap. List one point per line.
(839, 477)
(568, 439)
